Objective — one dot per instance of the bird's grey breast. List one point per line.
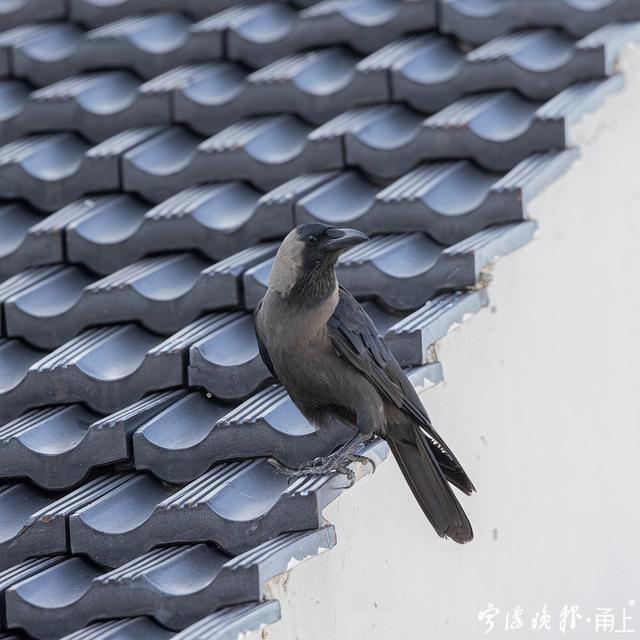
(297, 341)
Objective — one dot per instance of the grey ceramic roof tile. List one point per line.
(267, 31)
(100, 231)
(18, 12)
(430, 71)
(122, 629)
(105, 367)
(411, 338)
(209, 579)
(50, 446)
(205, 96)
(233, 623)
(23, 533)
(38, 304)
(192, 434)
(50, 170)
(14, 97)
(225, 359)
(265, 151)
(21, 244)
(217, 511)
(147, 45)
(18, 573)
(42, 42)
(496, 129)
(447, 200)
(480, 22)
(15, 359)
(97, 105)
(162, 165)
(404, 271)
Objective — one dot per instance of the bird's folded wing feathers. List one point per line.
(355, 338)
(262, 347)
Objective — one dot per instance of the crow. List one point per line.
(320, 344)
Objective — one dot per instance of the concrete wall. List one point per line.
(542, 405)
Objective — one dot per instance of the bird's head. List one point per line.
(305, 263)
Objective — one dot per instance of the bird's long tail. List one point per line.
(432, 491)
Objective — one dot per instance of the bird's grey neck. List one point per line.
(314, 286)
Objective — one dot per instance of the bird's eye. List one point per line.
(313, 240)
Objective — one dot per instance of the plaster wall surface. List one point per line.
(541, 404)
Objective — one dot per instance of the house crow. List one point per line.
(324, 349)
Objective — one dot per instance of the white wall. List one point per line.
(542, 405)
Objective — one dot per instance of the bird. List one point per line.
(319, 343)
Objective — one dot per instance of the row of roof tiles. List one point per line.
(448, 200)
(472, 21)
(110, 366)
(229, 623)
(427, 72)
(178, 435)
(253, 34)
(498, 130)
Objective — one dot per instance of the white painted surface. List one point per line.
(542, 405)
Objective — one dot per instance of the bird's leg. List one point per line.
(337, 461)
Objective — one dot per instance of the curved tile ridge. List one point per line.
(146, 44)
(21, 11)
(447, 200)
(225, 360)
(45, 306)
(21, 282)
(98, 231)
(233, 622)
(19, 572)
(21, 246)
(430, 71)
(15, 359)
(51, 446)
(411, 338)
(266, 151)
(49, 170)
(95, 13)
(22, 534)
(209, 581)
(105, 367)
(124, 629)
(497, 129)
(404, 271)
(97, 105)
(478, 24)
(267, 31)
(213, 508)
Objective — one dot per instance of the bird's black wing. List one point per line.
(262, 347)
(356, 339)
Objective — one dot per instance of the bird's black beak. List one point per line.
(341, 239)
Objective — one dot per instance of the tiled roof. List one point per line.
(152, 154)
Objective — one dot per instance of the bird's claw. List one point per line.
(354, 457)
